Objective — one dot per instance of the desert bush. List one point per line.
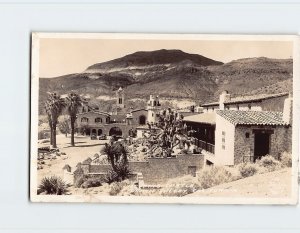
(212, 176)
(248, 169)
(43, 134)
(92, 182)
(120, 173)
(286, 159)
(53, 185)
(269, 163)
(115, 188)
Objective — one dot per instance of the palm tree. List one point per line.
(48, 112)
(54, 107)
(73, 102)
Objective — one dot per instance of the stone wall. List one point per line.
(159, 170)
(280, 141)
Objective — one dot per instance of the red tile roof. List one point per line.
(252, 117)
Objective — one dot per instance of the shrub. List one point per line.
(212, 176)
(115, 188)
(286, 159)
(248, 169)
(53, 185)
(92, 182)
(269, 163)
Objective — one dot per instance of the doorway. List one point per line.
(261, 145)
(142, 120)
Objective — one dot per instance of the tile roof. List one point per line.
(206, 118)
(247, 99)
(252, 117)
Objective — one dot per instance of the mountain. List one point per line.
(174, 74)
(151, 58)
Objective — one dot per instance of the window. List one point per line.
(107, 120)
(84, 119)
(238, 107)
(223, 140)
(120, 101)
(247, 135)
(98, 120)
(249, 106)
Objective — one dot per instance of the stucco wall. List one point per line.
(137, 114)
(224, 156)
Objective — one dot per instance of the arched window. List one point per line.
(98, 120)
(85, 119)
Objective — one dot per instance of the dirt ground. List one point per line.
(276, 184)
(84, 148)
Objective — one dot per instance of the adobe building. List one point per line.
(93, 121)
(259, 102)
(229, 137)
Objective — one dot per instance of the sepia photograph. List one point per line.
(163, 118)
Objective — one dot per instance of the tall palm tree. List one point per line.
(55, 105)
(73, 103)
(48, 112)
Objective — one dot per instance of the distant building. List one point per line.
(229, 137)
(153, 108)
(259, 102)
(92, 121)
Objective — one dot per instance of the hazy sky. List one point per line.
(65, 56)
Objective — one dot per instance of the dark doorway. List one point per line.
(94, 131)
(142, 120)
(115, 131)
(87, 131)
(261, 145)
(99, 132)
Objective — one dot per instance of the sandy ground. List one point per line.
(84, 148)
(276, 184)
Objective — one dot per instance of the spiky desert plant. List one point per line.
(53, 185)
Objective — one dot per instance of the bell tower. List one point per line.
(120, 98)
(153, 108)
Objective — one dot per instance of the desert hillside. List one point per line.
(175, 74)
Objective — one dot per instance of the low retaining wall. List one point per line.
(158, 170)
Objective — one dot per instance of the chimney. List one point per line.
(288, 110)
(224, 97)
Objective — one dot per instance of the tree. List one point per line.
(117, 155)
(172, 133)
(73, 102)
(54, 107)
(64, 124)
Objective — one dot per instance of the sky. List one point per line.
(60, 56)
